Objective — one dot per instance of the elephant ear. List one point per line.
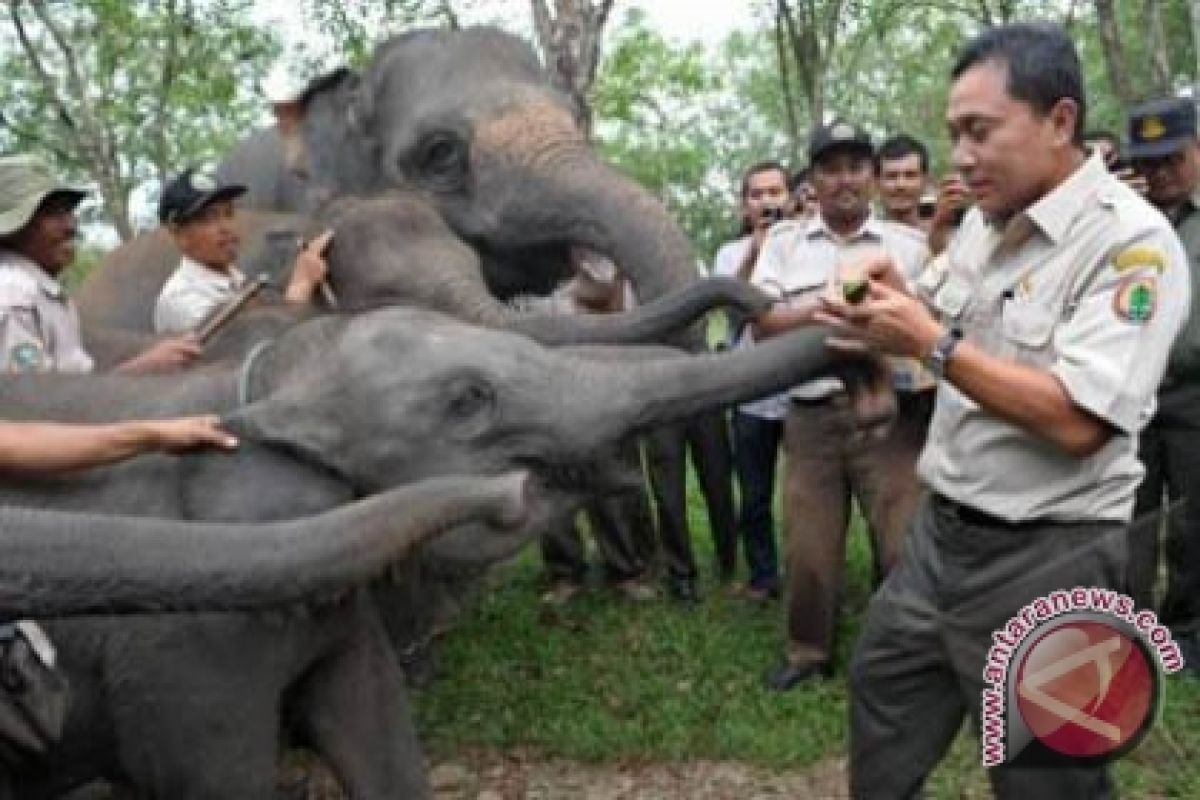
(285, 399)
(326, 139)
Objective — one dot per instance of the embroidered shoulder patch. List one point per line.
(25, 357)
(1140, 257)
(1136, 299)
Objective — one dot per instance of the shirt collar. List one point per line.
(816, 228)
(1054, 212)
(234, 277)
(45, 281)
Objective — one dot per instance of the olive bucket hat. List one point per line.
(25, 182)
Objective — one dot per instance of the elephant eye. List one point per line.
(442, 155)
(469, 397)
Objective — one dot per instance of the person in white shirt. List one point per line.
(757, 426)
(201, 216)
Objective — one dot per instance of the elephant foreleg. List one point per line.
(355, 710)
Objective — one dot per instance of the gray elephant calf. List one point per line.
(189, 706)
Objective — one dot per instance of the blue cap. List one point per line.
(1161, 127)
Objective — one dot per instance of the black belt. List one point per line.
(839, 397)
(973, 516)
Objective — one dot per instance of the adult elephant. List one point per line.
(188, 706)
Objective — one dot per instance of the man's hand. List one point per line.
(878, 266)
(166, 355)
(309, 271)
(188, 433)
(887, 321)
(952, 198)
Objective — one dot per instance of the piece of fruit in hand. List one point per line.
(854, 290)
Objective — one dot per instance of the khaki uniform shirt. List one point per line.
(192, 294)
(801, 258)
(1090, 284)
(39, 325)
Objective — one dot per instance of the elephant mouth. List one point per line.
(577, 479)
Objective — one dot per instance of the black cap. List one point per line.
(838, 135)
(1161, 127)
(190, 192)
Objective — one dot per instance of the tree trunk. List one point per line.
(1156, 44)
(1194, 8)
(789, 94)
(570, 41)
(1114, 53)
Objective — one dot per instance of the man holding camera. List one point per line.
(1165, 151)
(757, 426)
(826, 462)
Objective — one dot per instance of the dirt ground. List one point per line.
(483, 775)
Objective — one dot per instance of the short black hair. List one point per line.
(901, 146)
(1042, 63)
(799, 178)
(758, 169)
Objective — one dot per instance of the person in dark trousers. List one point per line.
(757, 427)
(1048, 321)
(1165, 151)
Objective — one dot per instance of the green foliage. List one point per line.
(675, 119)
(356, 26)
(160, 86)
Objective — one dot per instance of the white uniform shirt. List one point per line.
(729, 258)
(800, 258)
(39, 325)
(1091, 284)
(192, 294)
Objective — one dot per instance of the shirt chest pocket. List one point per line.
(1027, 330)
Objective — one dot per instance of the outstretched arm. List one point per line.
(49, 447)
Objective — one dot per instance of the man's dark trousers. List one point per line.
(917, 669)
(756, 453)
(1169, 448)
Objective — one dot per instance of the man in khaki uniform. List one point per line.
(826, 464)
(1049, 321)
(39, 326)
(1165, 149)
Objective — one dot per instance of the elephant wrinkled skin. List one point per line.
(188, 706)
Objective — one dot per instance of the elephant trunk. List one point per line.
(58, 564)
(652, 322)
(651, 393)
(619, 218)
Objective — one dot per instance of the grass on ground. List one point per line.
(603, 679)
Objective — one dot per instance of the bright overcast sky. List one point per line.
(684, 20)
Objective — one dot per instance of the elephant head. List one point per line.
(57, 564)
(431, 396)
(470, 118)
(393, 248)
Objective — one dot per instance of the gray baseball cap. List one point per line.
(25, 182)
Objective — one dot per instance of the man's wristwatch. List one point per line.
(938, 358)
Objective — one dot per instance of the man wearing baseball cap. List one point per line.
(825, 464)
(1164, 149)
(39, 326)
(199, 213)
